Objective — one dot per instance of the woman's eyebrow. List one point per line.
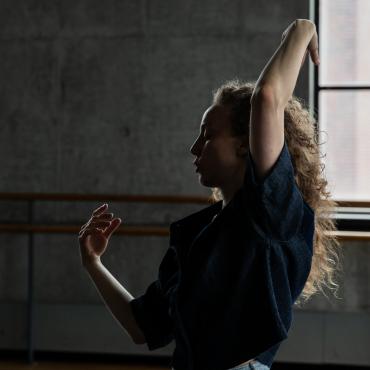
(206, 126)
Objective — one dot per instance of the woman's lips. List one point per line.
(196, 164)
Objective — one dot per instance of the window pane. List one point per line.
(345, 118)
(344, 30)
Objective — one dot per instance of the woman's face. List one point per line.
(216, 149)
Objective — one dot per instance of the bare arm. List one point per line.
(93, 240)
(116, 298)
(280, 75)
(272, 92)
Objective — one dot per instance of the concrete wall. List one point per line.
(107, 97)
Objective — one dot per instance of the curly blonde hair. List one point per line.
(300, 129)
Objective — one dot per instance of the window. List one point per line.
(340, 94)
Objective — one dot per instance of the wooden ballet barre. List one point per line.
(137, 230)
(108, 197)
(342, 235)
(72, 229)
(139, 198)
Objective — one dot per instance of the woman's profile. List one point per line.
(234, 270)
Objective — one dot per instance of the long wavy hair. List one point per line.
(300, 129)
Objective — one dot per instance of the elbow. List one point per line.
(265, 94)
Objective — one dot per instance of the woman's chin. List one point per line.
(203, 180)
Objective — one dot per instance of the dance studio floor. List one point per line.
(48, 365)
(59, 361)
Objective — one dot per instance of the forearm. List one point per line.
(281, 72)
(116, 298)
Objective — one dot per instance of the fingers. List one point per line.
(100, 209)
(99, 213)
(314, 49)
(104, 216)
(89, 229)
(100, 222)
(101, 225)
(87, 232)
(315, 56)
(112, 228)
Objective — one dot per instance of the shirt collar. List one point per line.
(184, 229)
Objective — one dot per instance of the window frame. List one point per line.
(350, 215)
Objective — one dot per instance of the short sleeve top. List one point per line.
(226, 285)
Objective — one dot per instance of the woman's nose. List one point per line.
(193, 148)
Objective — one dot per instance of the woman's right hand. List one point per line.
(95, 234)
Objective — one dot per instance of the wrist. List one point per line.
(305, 23)
(92, 264)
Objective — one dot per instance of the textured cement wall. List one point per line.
(107, 97)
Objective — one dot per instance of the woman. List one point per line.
(228, 282)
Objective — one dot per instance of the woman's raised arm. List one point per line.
(280, 75)
(272, 92)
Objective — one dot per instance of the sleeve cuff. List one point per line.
(151, 315)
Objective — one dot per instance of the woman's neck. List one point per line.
(228, 191)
